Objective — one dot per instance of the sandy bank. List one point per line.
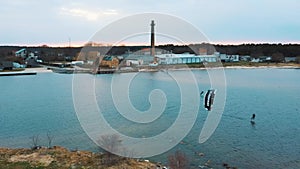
(38, 70)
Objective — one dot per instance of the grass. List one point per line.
(17, 165)
(62, 158)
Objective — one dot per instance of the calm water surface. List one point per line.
(35, 105)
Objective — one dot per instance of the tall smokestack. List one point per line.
(152, 51)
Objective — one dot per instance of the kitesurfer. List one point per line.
(253, 117)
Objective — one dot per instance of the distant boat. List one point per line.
(209, 99)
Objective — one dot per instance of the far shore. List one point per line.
(237, 65)
(200, 67)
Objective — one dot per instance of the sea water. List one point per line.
(41, 104)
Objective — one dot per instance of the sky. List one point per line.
(58, 22)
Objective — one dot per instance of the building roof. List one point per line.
(290, 59)
(146, 58)
(108, 58)
(20, 51)
(184, 55)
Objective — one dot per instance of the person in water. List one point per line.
(253, 117)
(202, 92)
(252, 120)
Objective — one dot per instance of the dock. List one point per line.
(21, 73)
(106, 71)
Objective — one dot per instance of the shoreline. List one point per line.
(295, 66)
(172, 68)
(61, 157)
(180, 68)
(38, 70)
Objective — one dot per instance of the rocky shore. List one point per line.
(59, 157)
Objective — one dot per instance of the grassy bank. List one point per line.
(59, 157)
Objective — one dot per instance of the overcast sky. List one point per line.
(38, 22)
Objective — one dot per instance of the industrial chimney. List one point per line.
(152, 50)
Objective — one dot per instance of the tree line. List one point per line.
(61, 53)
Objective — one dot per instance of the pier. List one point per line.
(106, 71)
(17, 73)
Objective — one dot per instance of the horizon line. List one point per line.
(75, 45)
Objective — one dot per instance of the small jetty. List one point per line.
(106, 71)
(17, 73)
(62, 70)
(101, 70)
(73, 70)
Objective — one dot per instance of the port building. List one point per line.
(186, 58)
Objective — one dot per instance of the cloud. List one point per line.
(230, 20)
(90, 15)
(110, 12)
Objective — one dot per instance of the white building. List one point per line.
(17, 65)
(229, 58)
(77, 62)
(265, 58)
(21, 53)
(255, 60)
(235, 58)
(245, 58)
(134, 62)
(32, 55)
(290, 59)
(185, 58)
